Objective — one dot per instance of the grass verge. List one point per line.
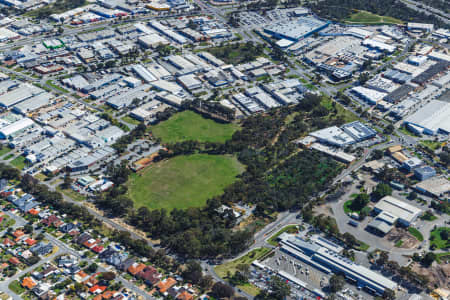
(416, 233)
(289, 229)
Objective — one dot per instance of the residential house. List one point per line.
(164, 285)
(41, 248)
(28, 283)
(135, 268)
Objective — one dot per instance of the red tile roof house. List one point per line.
(14, 260)
(90, 243)
(135, 268)
(97, 289)
(150, 275)
(8, 243)
(98, 249)
(50, 220)
(30, 242)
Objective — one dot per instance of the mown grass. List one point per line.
(416, 233)
(436, 238)
(188, 125)
(289, 229)
(183, 181)
(365, 17)
(230, 268)
(19, 162)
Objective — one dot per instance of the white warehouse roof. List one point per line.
(398, 208)
(433, 117)
(333, 135)
(15, 127)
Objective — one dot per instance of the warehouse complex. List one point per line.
(391, 211)
(295, 30)
(431, 119)
(324, 257)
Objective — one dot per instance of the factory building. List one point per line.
(391, 210)
(433, 118)
(359, 131)
(370, 96)
(325, 258)
(297, 29)
(438, 187)
(11, 130)
(333, 136)
(424, 173)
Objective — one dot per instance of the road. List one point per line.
(420, 7)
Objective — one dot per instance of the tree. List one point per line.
(28, 228)
(412, 195)
(108, 276)
(389, 129)
(359, 202)
(193, 272)
(444, 234)
(206, 282)
(428, 259)
(363, 78)
(222, 290)
(336, 283)
(381, 191)
(67, 182)
(388, 294)
(92, 268)
(60, 30)
(377, 154)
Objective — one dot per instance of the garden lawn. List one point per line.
(16, 287)
(183, 181)
(190, 126)
(435, 238)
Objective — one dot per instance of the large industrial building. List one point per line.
(324, 256)
(390, 211)
(433, 118)
(297, 29)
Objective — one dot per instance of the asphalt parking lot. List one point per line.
(314, 278)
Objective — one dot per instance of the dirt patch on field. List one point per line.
(437, 274)
(401, 238)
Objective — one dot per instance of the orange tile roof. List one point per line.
(18, 233)
(33, 212)
(108, 294)
(97, 289)
(136, 268)
(185, 296)
(98, 297)
(30, 242)
(29, 283)
(14, 260)
(166, 284)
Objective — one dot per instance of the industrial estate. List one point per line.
(224, 149)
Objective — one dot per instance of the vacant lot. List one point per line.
(365, 17)
(188, 125)
(183, 181)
